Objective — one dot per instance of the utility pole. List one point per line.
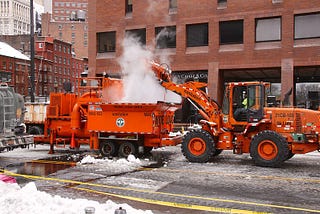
(31, 52)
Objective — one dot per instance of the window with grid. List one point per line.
(166, 37)
(197, 35)
(139, 34)
(307, 26)
(268, 29)
(129, 6)
(172, 4)
(106, 42)
(231, 32)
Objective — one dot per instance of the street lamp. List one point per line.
(31, 52)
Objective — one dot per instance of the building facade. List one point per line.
(216, 41)
(15, 16)
(69, 10)
(74, 32)
(14, 70)
(67, 20)
(55, 66)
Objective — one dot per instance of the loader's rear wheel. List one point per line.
(127, 148)
(269, 148)
(108, 148)
(198, 146)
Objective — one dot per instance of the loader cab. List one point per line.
(244, 102)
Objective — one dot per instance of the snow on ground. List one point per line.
(25, 200)
(113, 166)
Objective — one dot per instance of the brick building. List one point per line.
(68, 22)
(216, 41)
(14, 68)
(54, 66)
(66, 10)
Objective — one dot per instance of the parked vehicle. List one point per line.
(12, 128)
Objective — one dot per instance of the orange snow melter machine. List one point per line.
(93, 116)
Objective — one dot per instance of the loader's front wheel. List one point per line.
(268, 148)
(198, 146)
(127, 148)
(108, 148)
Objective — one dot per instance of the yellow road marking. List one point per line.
(53, 162)
(173, 204)
(34, 177)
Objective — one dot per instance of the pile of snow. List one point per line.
(130, 160)
(17, 200)
(112, 166)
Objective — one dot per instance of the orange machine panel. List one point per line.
(61, 104)
(127, 117)
(121, 118)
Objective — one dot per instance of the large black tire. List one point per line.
(127, 148)
(290, 155)
(269, 149)
(108, 148)
(217, 152)
(198, 146)
(35, 130)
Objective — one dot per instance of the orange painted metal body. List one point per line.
(264, 132)
(92, 115)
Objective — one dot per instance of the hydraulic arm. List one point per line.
(207, 107)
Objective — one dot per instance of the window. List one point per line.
(173, 4)
(231, 32)
(166, 37)
(106, 42)
(129, 6)
(197, 35)
(4, 65)
(139, 34)
(307, 26)
(268, 29)
(222, 4)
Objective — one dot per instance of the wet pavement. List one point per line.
(230, 182)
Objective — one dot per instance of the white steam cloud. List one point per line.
(139, 81)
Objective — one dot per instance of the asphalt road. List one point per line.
(170, 184)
